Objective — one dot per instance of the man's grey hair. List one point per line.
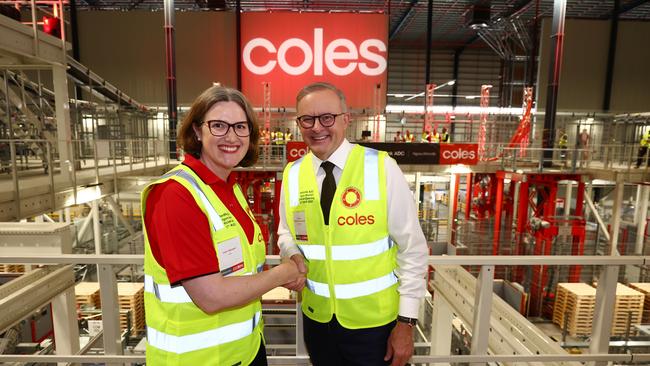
(318, 86)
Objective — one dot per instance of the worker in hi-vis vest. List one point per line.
(204, 252)
(643, 149)
(444, 135)
(348, 218)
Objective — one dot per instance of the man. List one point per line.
(444, 136)
(288, 136)
(344, 210)
(584, 146)
(563, 143)
(409, 136)
(398, 137)
(643, 149)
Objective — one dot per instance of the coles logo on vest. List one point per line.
(291, 50)
(351, 197)
(459, 154)
(295, 150)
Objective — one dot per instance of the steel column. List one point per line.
(611, 56)
(497, 216)
(555, 68)
(616, 216)
(482, 311)
(110, 310)
(468, 195)
(603, 314)
(441, 327)
(62, 109)
(453, 188)
(642, 204)
(97, 231)
(170, 58)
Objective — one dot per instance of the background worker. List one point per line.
(350, 219)
(288, 136)
(643, 149)
(409, 137)
(204, 251)
(444, 135)
(563, 144)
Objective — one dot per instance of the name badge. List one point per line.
(231, 257)
(300, 226)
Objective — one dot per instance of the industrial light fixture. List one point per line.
(450, 82)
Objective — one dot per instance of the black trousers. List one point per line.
(642, 151)
(260, 359)
(330, 344)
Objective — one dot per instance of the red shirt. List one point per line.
(178, 231)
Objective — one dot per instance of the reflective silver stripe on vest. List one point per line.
(294, 183)
(347, 252)
(166, 293)
(352, 290)
(214, 216)
(371, 175)
(197, 341)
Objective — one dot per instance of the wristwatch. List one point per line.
(410, 321)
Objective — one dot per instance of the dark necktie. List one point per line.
(327, 190)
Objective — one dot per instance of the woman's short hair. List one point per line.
(187, 138)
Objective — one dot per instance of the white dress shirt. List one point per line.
(403, 227)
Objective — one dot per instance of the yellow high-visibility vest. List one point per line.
(178, 331)
(352, 260)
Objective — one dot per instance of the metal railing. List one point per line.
(481, 322)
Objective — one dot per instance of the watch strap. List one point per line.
(410, 321)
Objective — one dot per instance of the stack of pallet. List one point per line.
(131, 298)
(12, 268)
(645, 289)
(87, 295)
(575, 301)
(629, 308)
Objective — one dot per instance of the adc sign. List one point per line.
(459, 154)
(290, 50)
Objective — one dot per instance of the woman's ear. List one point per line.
(197, 131)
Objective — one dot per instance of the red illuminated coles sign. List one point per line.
(459, 154)
(290, 50)
(295, 150)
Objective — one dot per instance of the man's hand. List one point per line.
(299, 283)
(400, 344)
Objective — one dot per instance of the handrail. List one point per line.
(475, 260)
(606, 282)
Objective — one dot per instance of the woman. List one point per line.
(203, 250)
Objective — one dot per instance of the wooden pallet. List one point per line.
(629, 307)
(577, 301)
(131, 298)
(645, 289)
(87, 295)
(12, 268)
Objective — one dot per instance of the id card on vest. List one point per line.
(231, 257)
(300, 225)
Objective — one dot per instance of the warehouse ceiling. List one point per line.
(408, 18)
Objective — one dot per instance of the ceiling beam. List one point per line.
(92, 2)
(516, 8)
(625, 8)
(402, 22)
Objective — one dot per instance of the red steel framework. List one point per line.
(537, 204)
(266, 108)
(482, 132)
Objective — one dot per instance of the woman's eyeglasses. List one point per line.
(220, 128)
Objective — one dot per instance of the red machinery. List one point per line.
(537, 218)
